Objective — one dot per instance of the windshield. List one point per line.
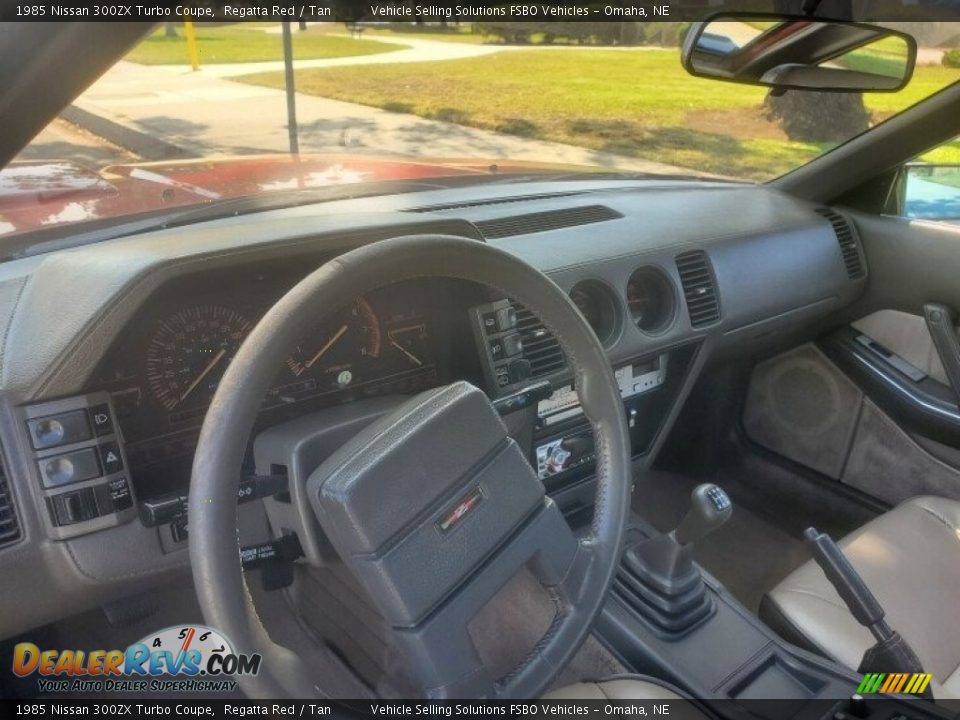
(199, 113)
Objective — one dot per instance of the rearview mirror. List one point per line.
(799, 53)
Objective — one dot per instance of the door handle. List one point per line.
(940, 324)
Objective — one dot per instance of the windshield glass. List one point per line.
(199, 113)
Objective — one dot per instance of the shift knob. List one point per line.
(710, 507)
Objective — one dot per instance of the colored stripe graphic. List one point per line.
(894, 683)
(870, 682)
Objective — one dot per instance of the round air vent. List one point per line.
(651, 300)
(599, 306)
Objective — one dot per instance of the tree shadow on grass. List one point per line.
(452, 115)
(628, 138)
(520, 127)
(398, 107)
(713, 152)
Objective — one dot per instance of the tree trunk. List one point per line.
(818, 116)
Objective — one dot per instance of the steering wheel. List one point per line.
(433, 507)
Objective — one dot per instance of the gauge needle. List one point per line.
(401, 348)
(206, 371)
(337, 335)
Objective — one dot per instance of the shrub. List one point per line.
(951, 58)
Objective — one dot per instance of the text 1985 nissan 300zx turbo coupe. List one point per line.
(606, 362)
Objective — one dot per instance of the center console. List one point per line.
(668, 618)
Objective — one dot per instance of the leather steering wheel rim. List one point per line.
(218, 577)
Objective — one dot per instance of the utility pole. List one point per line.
(291, 89)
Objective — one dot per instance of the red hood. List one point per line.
(38, 195)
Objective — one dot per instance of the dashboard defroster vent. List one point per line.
(492, 201)
(9, 527)
(540, 347)
(699, 288)
(545, 221)
(847, 240)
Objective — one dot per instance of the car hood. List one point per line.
(38, 195)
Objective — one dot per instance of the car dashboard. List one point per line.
(112, 351)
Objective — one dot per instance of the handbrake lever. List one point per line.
(891, 653)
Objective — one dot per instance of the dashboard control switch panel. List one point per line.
(495, 325)
(81, 464)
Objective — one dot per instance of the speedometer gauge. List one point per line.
(352, 334)
(189, 352)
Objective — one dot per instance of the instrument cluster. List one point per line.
(166, 368)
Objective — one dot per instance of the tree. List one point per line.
(819, 116)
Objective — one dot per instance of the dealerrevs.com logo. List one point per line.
(191, 658)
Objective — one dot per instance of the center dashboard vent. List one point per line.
(9, 527)
(847, 239)
(699, 288)
(540, 347)
(544, 221)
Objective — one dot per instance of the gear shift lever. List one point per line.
(710, 507)
(658, 575)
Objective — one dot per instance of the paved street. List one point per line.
(417, 50)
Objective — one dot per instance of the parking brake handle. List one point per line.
(891, 653)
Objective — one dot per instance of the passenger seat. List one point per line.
(910, 559)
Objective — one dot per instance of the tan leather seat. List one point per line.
(625, 688)
(910, 559)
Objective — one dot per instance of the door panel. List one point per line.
(870, 403)
(802, 406)
(905, 335)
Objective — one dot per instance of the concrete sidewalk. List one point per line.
(416, 50)
(160, 112)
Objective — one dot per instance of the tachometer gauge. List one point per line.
(408, 339)
(189, 352)
(351, 335)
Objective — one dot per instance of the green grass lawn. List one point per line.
(239, 43)
(641, 104)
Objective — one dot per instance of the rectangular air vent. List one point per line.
(9, 527)
(847, 239)
(699, 288)
(544, 221)
(540, 347)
